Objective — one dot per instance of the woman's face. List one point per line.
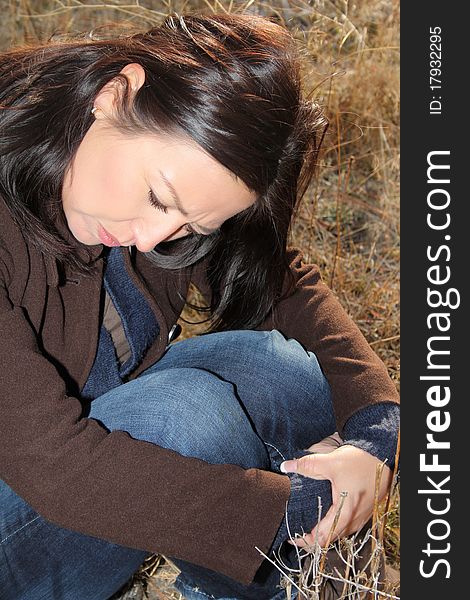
(141, 191)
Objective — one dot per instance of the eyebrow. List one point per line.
(174, 195)
(180, 207)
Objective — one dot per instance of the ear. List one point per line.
(108, 96)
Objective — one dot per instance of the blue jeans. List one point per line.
(241, 397)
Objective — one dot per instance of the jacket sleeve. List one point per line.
(313, 316)
(79, 476)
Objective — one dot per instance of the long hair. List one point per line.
(231, 83)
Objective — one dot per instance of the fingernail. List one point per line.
(288, 466)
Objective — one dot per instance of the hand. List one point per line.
(350, 470)
(327, 444)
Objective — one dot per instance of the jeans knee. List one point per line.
(196, 414)
(285, 356)
(291, 355)
(295, 388)
(206, 420)
(293, 369)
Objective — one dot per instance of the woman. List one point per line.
(129, 168)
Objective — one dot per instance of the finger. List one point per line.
(328, 444)
(319, 466)
(331, 526)
(342, 529)
(300, 542)
(306, 541)
(310, 540)
(322, 447)
(322, 537)
(323, 534)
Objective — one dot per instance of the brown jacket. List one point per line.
(79, 476)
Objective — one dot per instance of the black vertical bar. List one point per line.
(435, 164)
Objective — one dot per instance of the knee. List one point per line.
(280, 351)
(291, 366)
(294, 355)
(196, 414)
(296, 386)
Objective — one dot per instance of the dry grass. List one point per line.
(349, 220)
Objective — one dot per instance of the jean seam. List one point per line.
(277, 450)
(19, 529)
(195, 589)
(280, 595)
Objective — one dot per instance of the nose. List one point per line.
(147, 236)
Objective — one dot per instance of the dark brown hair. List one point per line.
(229, 82)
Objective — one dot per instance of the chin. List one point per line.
(78, 228)
(85, 238)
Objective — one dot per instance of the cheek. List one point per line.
(83, 184)
(115, 189)
(96, 190)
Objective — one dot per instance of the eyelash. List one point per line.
(189, 229)
(154, 201)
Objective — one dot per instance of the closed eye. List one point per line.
(190, 229)
(155, 202)
(204, 230)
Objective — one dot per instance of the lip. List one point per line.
(106, 238)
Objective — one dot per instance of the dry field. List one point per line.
(349, 220)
